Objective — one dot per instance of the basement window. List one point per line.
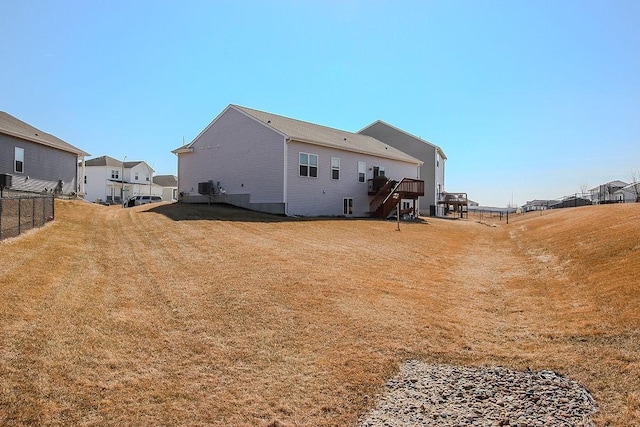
(309, 165)
(18, 164)
(347, 206)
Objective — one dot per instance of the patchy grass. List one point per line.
(208, 315)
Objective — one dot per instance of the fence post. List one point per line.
(19, 215)
(33, 213)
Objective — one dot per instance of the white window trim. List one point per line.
(334, 168)
(308, 164)
(18, 158)
(364, 172)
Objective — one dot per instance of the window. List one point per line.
(378, 171)
(136, 176)
(335, 168)
(309, 165)
(18, 165)
(347, 206)
(438, 160)
(85, 179)
(115, 174)
(362, 170)
(147, 178)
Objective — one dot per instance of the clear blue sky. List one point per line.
(528, 99)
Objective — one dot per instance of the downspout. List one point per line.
(82, 189)
(285, 174)
(416, 207)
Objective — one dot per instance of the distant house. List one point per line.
(169, 184)
(109, 180)
(36, 160)
(572, 201)
(628, 194)
(538, 205)
(604, 193)
(270, 163)
(432, 156)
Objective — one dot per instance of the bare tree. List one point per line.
(634, 177)
(583, 189)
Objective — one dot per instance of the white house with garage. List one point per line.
(108, 180)
(270, 163)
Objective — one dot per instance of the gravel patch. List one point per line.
(445, 395)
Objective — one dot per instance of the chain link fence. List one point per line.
(23, 213)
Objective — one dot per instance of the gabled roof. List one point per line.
(630, 187)
(310, 133)
(9, 125)
(110, 161)
(103, 161)
(166, 180)
(616, 183)
(417, 138)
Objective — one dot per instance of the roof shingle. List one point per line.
(12, 126)
(322, 135)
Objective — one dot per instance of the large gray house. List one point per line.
(37, 161)
(432, 157)
(266, 162)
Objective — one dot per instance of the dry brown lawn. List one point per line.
(202, 315)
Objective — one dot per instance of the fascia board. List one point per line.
(43, 142)
(408, 134)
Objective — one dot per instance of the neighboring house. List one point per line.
(270, 163)
(108, 180)
(604, 193)
(432, 156)
(570, 202)
(537, 205)
(169, 184)
(36, 160)
(628, 194)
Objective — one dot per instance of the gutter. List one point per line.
(368, 153)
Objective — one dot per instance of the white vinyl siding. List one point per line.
(324, 196)
(242, 154)
(434, 162)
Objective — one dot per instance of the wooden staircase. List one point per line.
(393, 192)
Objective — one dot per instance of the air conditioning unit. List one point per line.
(5, 180)
(205, 188)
